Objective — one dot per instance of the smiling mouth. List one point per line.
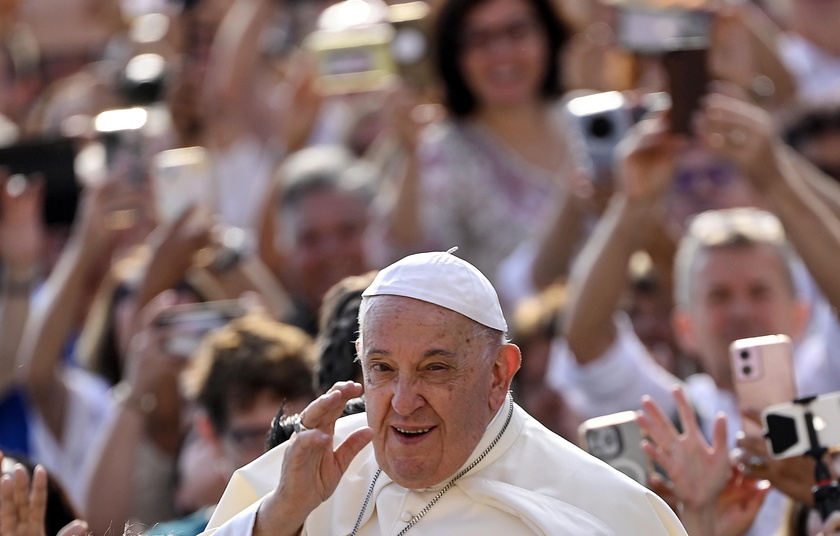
(412, 433)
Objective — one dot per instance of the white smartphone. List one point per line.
(658, 30)
(181, 178)
(616, 439)
(787, 430)
(762, 372)
(185, 325)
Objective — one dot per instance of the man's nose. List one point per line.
(741, 307)
(407, 397)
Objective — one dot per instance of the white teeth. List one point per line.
(413, 432)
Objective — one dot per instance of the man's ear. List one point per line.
(802, 316)
(683, 328)
(508, 360)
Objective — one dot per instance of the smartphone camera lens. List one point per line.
(744, 354)
(601, 127)
(747, 370)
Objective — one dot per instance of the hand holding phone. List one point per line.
(762, 373)
(786, 425)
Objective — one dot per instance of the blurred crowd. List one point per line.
(172, 166)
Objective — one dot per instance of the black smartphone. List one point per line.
(688, 77)
(54, 160)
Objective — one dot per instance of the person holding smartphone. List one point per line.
(734, 274)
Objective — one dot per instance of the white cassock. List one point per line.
(531, 482)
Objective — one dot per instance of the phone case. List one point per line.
(616, 439)
(786, 425)
(762, 371)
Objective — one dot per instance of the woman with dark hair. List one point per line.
(490, 174)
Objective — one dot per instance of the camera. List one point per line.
(361, 44)
(616, 439)
(598, 122)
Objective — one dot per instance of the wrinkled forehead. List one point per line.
(377, 312)
(389, 304)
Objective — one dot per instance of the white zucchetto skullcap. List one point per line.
(443, 279)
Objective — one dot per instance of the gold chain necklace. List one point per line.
(443, 490)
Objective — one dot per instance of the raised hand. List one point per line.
(23, 508)
(743, 133)
(698, 471)
(21, 230)
(647, 160)
(407, 117)
(312, 468)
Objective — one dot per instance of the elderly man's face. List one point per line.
(431, 387)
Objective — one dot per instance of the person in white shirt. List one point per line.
(442, 449)
(734, 275)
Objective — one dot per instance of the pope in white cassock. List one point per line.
(443, 449)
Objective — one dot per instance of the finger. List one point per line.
(657, 424)
(327, 408)
(753, 445)
(8, 517)
(74, 528)
(160, 303)
(688, 419)
(729, 89)
(719, 433)
(20, 493)
(832, 524)
(658, 455)
(752, 414)
(38, 497)
(351, 446)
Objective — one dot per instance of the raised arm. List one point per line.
(21, 245)
(50, 324)
(114, 455)
(561, 239)
(236, 99)
(599, 275)
(747, 135)
(402, 218)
